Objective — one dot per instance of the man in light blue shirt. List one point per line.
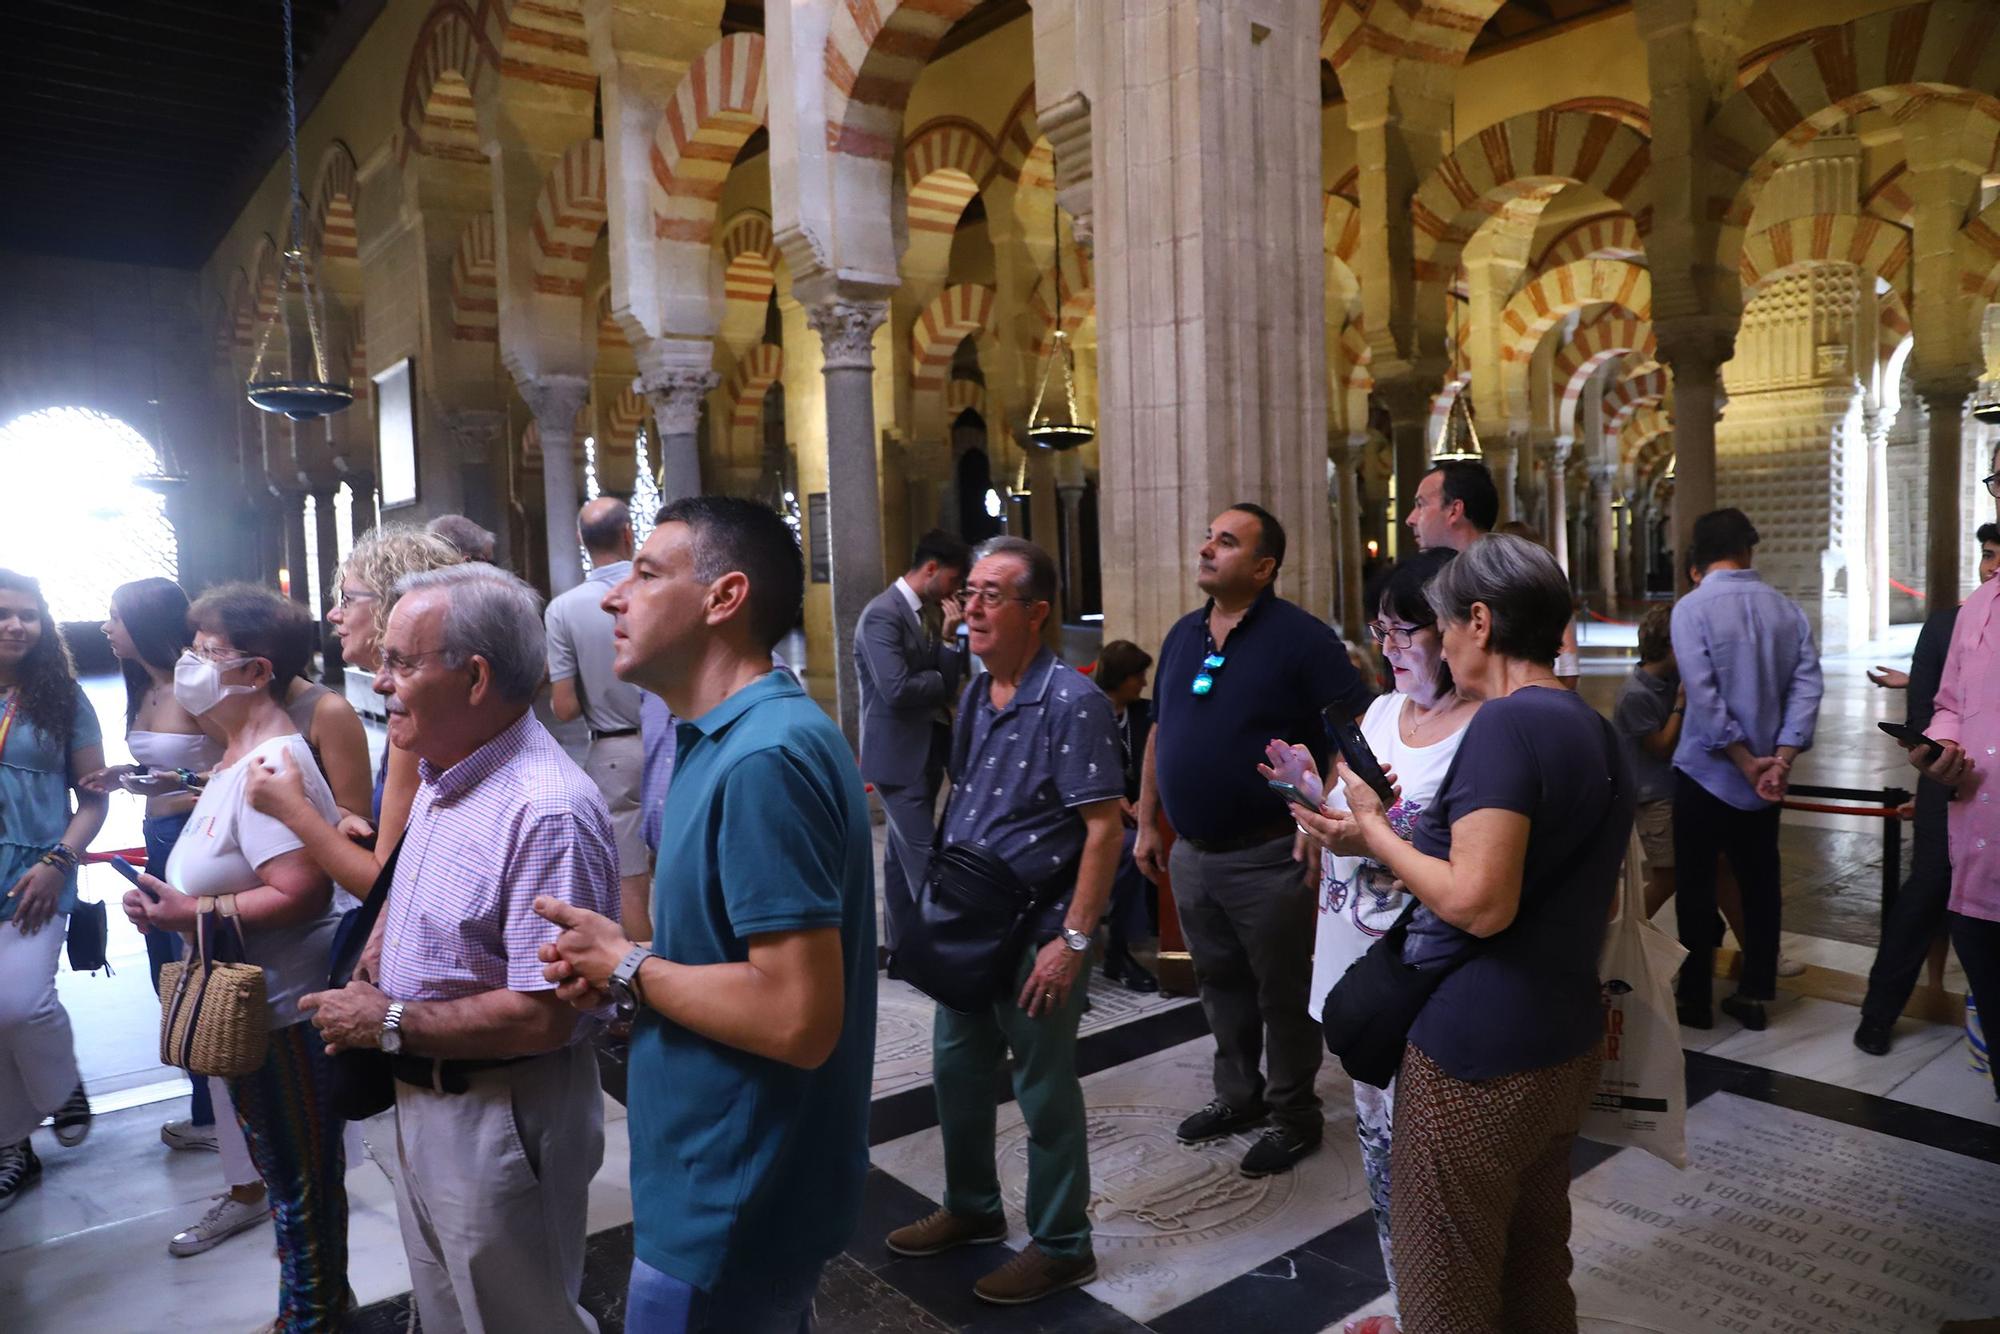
(1751, 671)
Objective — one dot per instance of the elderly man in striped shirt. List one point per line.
(499, 1121)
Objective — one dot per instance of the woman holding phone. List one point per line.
(247, 649)
(1414, 732)
(1513, 864)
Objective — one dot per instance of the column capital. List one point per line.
(1695, 349)
(477, 428)
(1945, 392)
(676, 396)
(554, 399)
(846, 328)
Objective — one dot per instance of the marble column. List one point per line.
(1694, 358)
(327, 534)
(1603, 477)
(846, 327)
(677, 396)
(1503, 458)
(1070, 497)
(555, 400)
(1409, 404)
(481, 436)
(1558, 503)
(361, 487)
(1945, 402)
(292, 505)
(1876, 432)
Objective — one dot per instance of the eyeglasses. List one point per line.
(1204, 680)
(993, 597)
(347, 599)
(1992, 481)
(402, 664)
(1394, 636)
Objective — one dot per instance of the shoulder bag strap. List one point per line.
(365, 917)
(961, 752)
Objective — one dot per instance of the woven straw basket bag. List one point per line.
(211, 1010)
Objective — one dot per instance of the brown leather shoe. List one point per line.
(944, 1230)
(1033, 1275)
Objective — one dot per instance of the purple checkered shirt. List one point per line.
(514, 819)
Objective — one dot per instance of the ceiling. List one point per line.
(137, 132)
(1519, 21)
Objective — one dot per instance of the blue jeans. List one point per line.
(659, 1303)
(164, 947)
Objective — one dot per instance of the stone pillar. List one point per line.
(1876, 431)
(1409, 404)
(676, 396)
(1694, 357)
(555, 401)
(1945, 402)
(1503, 457)
(361, 486)
(1211, 316)
(1558, 488)
(1346, 500)
(327, 534)
(1070, 496)
(481, 436)
(292, 507)
(1603, 480)
(846, 327)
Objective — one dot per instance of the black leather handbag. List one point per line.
(1367, 1016)
(362, 1084)
(86, 939)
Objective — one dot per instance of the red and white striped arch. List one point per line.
(962, 396)
(718, 104)
(874, 52)
(952, 316)
(540, 42)
(1946, 51)
(450, 68)
(1879, 248)
(1438, 32)
(475, 284)
(330, 225)
(1534, 310)
(1641, 427)
(569, 213)
(754, 374)
(1606, 236)
(948, 161)
(623, 416)
(749, 273)
(1632, 393)
(1613, 333)
(1079, 300)
(1019, 133)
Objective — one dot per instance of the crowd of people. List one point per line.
(703, 887)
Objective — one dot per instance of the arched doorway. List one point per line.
(73, 511)
(979, 505)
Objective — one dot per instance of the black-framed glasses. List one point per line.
(1204, 680)
(1392, 636)
(1992, 483)
(994, 596)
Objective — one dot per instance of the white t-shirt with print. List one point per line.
(1356, 904)
(219, 852)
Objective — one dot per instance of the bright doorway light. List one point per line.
(72, 513)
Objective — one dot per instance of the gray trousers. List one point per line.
(912, 828)
(1249, 921)
(491, 1190)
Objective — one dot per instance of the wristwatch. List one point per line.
(392, 1029)
(1076, 940)
(623, 984)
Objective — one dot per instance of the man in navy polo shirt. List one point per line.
(1247, 668)
(753, 1050)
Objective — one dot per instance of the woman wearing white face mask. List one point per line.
(247, 649)
(1414, 731)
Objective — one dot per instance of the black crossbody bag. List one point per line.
(1367, 1017)
(972, 915)
(362, 1084)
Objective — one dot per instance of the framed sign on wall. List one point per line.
(396, 434)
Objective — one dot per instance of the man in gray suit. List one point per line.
(908, 660)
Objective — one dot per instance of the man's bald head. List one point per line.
(604, 525)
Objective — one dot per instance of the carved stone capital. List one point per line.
(555, 400)
(847, 331)
(1696, 350)
(676, 396)
(477, 430)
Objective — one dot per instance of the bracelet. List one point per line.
(191, 780)
(62, 856)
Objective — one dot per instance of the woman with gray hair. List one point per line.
(1513, 866)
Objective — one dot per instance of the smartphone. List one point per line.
(1910, 736)
(1354, 749)
(131, 872)
(1291, 793)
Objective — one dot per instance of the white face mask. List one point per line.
(198, 684)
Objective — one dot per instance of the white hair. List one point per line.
(491, 614)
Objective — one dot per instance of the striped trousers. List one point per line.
(295, 1140)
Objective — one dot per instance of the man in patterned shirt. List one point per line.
(499, 1120)
(1038, 783)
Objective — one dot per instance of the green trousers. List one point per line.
(966, 1050)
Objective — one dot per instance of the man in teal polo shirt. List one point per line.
(749, 1084)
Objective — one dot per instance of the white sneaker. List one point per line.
(188, 1135)
(1789, 967)
(224, 1219)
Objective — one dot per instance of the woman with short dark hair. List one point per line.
(1513, 867)
(49, 740)
(247, 648)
